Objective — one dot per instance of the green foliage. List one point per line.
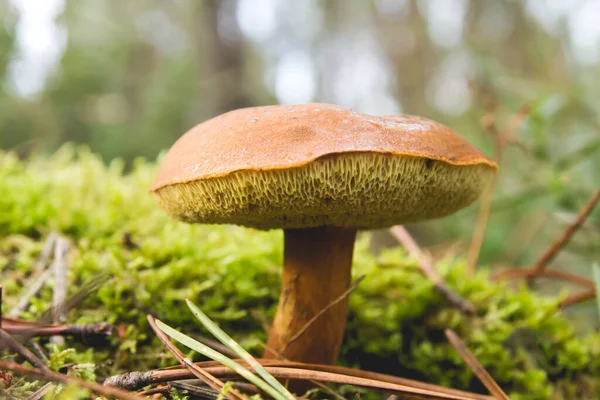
(396, 319)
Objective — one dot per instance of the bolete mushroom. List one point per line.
(320, 172)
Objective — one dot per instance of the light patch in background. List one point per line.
(582, 20)
(584, 23)
(362, 79)
(392, 7)
(445, 20)
(449, 90)
(550, 13)
(158, 29)
(295, 78)
(40, 44)
(305, 18)
(495, 23)
(257, 19)
(379, 103)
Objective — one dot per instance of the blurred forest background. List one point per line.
(129, 77)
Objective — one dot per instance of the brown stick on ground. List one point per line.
(61, 250)
(317, 271)
(35, 287)
(475, 366)
(198, 372)
(56, 377)
(426, 265)
(136, 380)
(7, 340)
(301, 371)
(17, 326)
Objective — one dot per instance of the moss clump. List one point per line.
(396, 320)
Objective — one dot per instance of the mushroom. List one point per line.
(320, 172)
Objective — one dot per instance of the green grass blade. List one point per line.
(216, 356)
(239, 350)
(596, 274)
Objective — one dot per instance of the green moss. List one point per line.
(396, 320)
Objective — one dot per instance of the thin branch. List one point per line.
(134, 380)
(42, 264)
(516, 273)
(196, 391)
(161, 389)
(8, 340)
(564, 238)
(475, 366)
(316, 383)
(34, 288)
(323, 311)
(506, 136)
(46, 252)
(17, 326)
(198, 372)
(580, 297)
(52, 376)
(426, 265)
(38, 350)
(41, 392)
(61, 250)
(408, 392)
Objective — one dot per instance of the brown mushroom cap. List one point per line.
(319, 164)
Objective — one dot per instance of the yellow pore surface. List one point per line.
(361, 190)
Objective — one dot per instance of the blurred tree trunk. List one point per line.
(413, 69)
(225, 58)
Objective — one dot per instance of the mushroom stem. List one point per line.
(317, 271)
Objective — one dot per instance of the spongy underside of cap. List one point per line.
(361, 190)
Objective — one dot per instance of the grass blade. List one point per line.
(216, 356)
(239, 350)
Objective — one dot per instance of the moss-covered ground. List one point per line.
(396, 319)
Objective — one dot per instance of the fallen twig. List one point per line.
(316, 383)
(41, 392)
(38, 350)
(17, 326)
(285, 369)
(47, 251)
(61, 250)
(161, 389)
(197, 391)
(198, 372)
(475, 366)
(426, 265)
(31, 292)
(6, 339)
(41, 264)
(56, 377)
